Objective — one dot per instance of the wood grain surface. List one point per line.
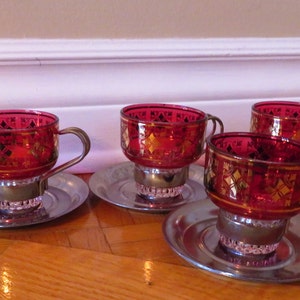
(101, 251)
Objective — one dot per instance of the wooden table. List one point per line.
(101, 251)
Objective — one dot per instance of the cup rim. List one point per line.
(163, 105)
(247, 159)
(255, 109)
(32, 112)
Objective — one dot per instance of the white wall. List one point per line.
(140, 19)
(87, 82)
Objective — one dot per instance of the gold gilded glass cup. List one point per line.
(278, 118)
(29, 142)
(163, 140)
(255, 181)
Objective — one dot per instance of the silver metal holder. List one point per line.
(116, 185)
(65, 193)
(19, 190)
(160, 184)
(245, 236)
(191, 232)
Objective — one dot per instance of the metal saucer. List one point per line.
(116, 185)
(66, 192)
(191, 232)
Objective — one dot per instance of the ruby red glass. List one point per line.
(255, 181)
(165, 136)
(29, 142)
(163, 140)
(254, 175)
(279, 118)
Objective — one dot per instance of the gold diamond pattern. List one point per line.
(280, 190)
(125, 136)
(235, 183)
(152, 143)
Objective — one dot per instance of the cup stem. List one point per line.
(18, 196)
(155, 183)
(244, 236)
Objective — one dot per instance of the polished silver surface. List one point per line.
(191, 232)
(24, 189)
(86, 144)
(251, 231)
(65, 193)
(161, 178)
(117, 186)
(159, 185)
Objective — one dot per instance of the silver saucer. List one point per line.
(66, 192)
(116, 185)
(191, 232)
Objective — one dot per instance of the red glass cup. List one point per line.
(29, 143)
(278, 118)
(163, 140)
(255, 181)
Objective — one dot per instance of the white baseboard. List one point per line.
(87, 82)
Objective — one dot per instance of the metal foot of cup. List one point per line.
(21, 196)
(249, 237)
(20, 207)
(160, 184)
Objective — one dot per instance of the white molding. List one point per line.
(109, 71)
(33, 51)
(86, 82)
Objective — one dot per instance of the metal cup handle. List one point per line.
(215, 121)
(86, 148)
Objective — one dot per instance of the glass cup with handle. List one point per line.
(278, 118)
(163, 140)
(29, 148)
(254, 179)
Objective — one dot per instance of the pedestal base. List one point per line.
(158, 184)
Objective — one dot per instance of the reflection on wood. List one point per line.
(100, 251)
